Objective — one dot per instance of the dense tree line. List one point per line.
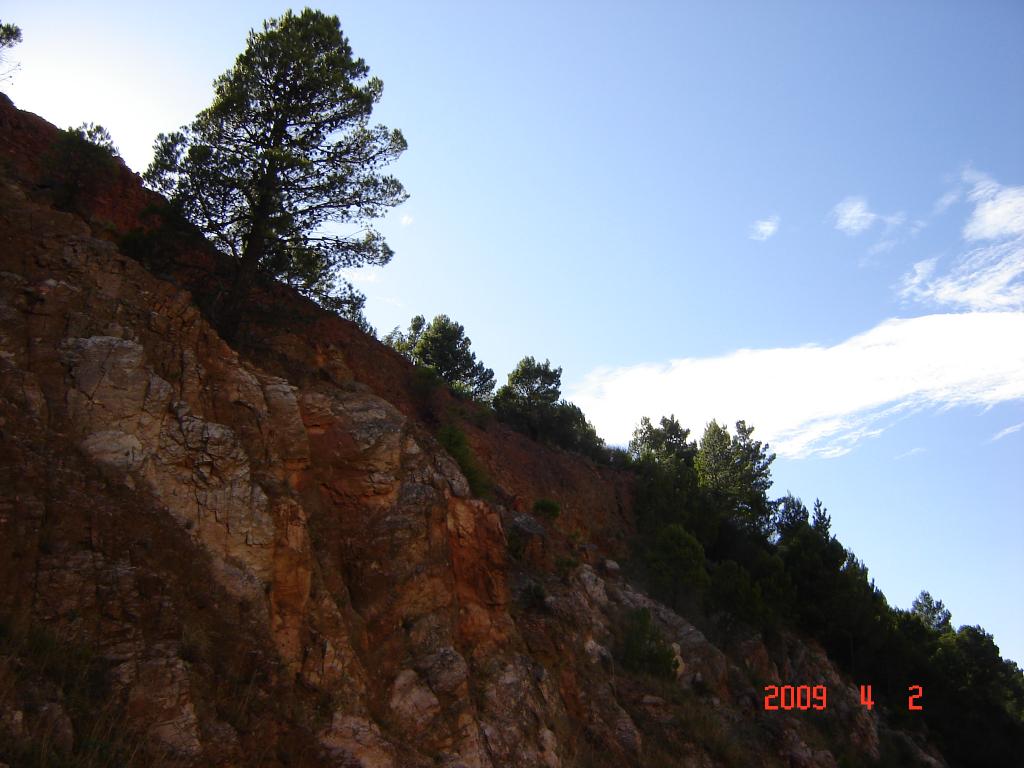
(711, 536)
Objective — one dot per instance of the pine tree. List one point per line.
(284, 152)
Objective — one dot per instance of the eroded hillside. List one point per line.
(262, 555)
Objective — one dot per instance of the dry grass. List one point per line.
(34, 658)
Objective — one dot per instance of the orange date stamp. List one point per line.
(808, 697)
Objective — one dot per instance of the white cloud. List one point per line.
(893, 221)
(944, 202)
(913, 283)
(911, 452)
(406, 220)
(983, 186)
(999, 210)
(821, 401)
(1006, 432)
(987, 278)
(762, 229)
(853, 216)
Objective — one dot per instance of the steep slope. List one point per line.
(262, 555)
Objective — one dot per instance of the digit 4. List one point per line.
(865, 696)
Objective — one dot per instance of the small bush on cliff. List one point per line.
(734, 592)
(98, 136)
(643, 647)
(547, 508)
(516, 542)
(676, 563)
(79, 166)
(566, 564)
(454, 441)
(159, 245)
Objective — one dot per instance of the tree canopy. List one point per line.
(932, 613)
(283, 155)
(665, 443)
(10, 36)
(96, 135)
(530, 402)
(443, 346)
(532, 386)
(739, 468)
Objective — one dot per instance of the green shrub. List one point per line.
(81, 163)
(564, 565)
(675, 561)
(516, 542)
(454, 441)
(733, 592)
(615, 456)
(425, 382)
(547, 508)
(644, 649)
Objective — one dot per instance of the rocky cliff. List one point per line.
(262, 555)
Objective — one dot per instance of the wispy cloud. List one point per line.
(998, 212)
(821, 401)
(1006, 432)
(881, 247)
(817, 400)
(987, 277)
(943, 203)
(853, 216)
(911, 452)
(762, 229)
(406, 220)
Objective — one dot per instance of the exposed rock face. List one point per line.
(222, 559)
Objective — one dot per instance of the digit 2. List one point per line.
(912, 699)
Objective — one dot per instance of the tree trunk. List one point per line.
(229, 321)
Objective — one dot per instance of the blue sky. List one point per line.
(806, 215)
